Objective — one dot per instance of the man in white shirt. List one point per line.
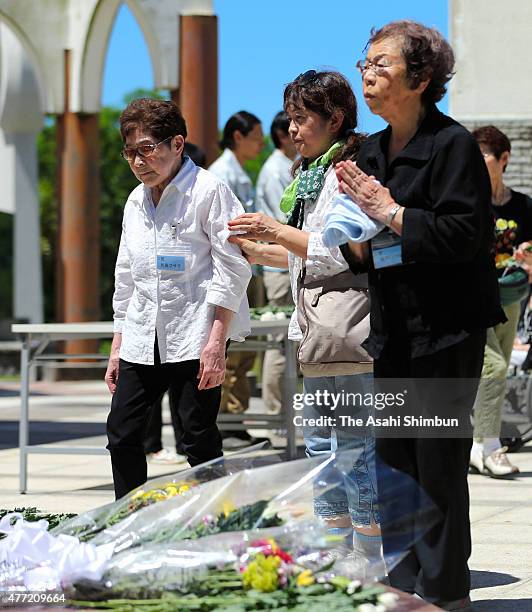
(180, 293)
(273, 179)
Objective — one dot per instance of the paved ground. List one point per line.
(74, 414)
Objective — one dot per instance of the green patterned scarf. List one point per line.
(308, 183)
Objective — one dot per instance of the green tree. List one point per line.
(253, 166)
(48, 198)
(117, 181)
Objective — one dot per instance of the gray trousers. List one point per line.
(278, 293)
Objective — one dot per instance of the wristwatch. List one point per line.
(390, 216)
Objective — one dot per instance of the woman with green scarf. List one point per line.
(323, 116)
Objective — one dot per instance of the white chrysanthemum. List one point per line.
(353, 586)
(388, 600)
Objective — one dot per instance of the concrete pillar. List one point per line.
(18, 159)
(198, 80)
(28, 298)
(20, 121)
(79, 222)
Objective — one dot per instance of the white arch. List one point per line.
(95, 52)
(149, 30)
(9, 79)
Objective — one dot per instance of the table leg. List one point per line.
(23, 434)
(290, 388)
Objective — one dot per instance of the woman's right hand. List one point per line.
(111, 374)
(250, 249)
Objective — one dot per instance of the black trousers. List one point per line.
(436, 564)
(153, 440)
(139, 387)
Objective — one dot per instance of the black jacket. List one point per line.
(448, 286)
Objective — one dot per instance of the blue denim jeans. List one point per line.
(355, 493)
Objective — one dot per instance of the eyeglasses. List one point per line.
(379, 68)
(145, 150)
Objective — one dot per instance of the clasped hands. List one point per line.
(372, 197)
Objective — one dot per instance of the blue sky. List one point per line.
(265, 44)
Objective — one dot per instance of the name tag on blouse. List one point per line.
(173, 259)
(171, 263)
(386, 250)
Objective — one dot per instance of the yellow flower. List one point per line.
(261, 574)
(183, 489)
(137, 495)
(512, 224)
(227, 508)
(501, 224)
(305, 578)
(273, 544)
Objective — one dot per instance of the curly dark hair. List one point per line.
(160, 118)
(426, 52)
(324, 93)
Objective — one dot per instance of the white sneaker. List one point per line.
(497, 465)
(165, 456)
(476, 461)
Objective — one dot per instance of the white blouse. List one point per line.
(175, 265)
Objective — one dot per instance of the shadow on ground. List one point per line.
(503, 605)
(481, 579)
(47, 432)
(16, 393)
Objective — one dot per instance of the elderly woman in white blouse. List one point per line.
(180, 293)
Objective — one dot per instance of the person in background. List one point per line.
(180, 293)
(153, 444)
(242, 141)
(513, 233)
(273, 179)
(433, 293)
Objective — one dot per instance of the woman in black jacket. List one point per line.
(433, 289)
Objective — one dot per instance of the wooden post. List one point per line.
(198, 80)
(79, 218)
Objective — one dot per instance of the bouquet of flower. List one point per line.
(89, 525)
(282, 489)
(513, 279)
(264, 573)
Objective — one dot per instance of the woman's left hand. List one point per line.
(212, 366)
(374, 199)
(257, 226)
